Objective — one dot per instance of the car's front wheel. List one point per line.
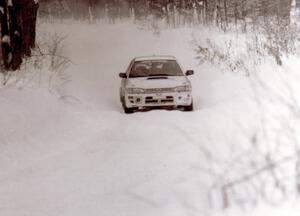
(126, 109)
(189, 108)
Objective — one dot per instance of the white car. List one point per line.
(155, 81)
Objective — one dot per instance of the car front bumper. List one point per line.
(175, 99)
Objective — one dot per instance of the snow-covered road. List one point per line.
(88, 158)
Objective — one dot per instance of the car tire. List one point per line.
(126, 109)
(189, 108)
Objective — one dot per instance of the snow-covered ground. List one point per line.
(86, 157)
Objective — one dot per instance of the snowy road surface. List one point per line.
(88, 158)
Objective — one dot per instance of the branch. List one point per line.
(258, 172)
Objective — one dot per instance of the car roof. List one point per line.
(154, 57)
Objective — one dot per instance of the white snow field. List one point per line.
(88, 158)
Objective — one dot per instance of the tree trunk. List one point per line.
(33, 19)
(91, 16)
(16, 35)
(5, 35)
(18, 30)
(225, 13)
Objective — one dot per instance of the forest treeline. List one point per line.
(18, 17)
(220, 12)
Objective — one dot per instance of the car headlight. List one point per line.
(135, 90)
(186, 88)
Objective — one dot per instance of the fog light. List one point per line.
(138, 100)
(179, 97)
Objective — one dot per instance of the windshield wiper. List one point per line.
(137, 76)
(155, 75)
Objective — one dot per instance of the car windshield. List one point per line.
(155, 68)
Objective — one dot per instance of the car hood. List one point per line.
(157, 82)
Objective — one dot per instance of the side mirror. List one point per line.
(122, 75)
(189, 72)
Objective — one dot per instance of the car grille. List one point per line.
(159, 90)
(151, 100)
